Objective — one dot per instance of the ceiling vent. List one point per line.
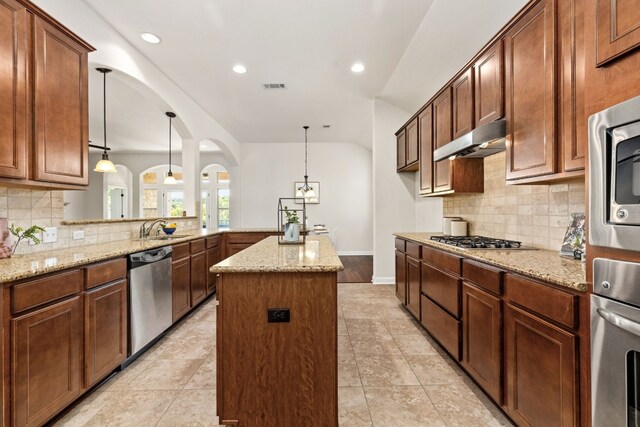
(274, 86)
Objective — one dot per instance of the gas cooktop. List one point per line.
(478, 242)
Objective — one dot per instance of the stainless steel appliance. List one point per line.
(478, 242)
(483, 141)
(150, 298)
(614, 183)
(615, 344)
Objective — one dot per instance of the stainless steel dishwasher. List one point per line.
(150, 300)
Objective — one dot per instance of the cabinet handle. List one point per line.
(619, 321)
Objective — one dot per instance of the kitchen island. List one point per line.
(277, 335)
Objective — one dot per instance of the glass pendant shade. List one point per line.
(105, 165)
(170, 179)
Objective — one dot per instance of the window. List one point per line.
(223, 208)
(158, 199)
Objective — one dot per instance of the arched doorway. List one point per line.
(215, 196)
(159, 199)
(118, 193)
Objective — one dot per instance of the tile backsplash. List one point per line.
(46, 208)
(537, 215)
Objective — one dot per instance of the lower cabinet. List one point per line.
(401, 277)
(47, 361)
(198, 278)
(482, 339)
(105, 329)
(442, 326)
(213, 257)
(413, 286)
(542, 371)
(181, 287)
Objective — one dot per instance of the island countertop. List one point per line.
(267, 256)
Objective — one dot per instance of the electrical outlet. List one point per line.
(78, 235)
(50, 235)
(279, 315)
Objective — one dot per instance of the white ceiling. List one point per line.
(309, 45)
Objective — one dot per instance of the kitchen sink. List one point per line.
(172, 237)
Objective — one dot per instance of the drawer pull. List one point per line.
(619, 321)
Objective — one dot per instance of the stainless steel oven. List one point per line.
(615, 344)
(614, 183)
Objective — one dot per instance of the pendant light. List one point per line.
(104, 165)
(170, 179)
(305, 190)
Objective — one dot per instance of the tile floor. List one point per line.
(390, 373)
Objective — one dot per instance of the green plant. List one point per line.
(30, 233)
(292, 216)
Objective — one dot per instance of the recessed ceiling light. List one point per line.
(326, 126)
(357, 67)
(150, 38)
(239, 68)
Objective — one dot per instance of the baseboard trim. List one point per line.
(355, 253)
(384, 280)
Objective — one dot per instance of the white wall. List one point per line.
(428, 211)
(269, 171)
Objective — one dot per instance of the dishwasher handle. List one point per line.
(148, 257)
(620, 321)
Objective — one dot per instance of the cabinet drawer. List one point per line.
(401, 245)
(37, 292)
(413, 250)
(441, 288)
(105, 272)
(212, 242)
(197, 246)
(441, 326)
(181, 250)
(487, 277)
(555, 305)
(244, 237)
(441, 260)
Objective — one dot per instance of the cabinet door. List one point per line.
(530, 93)
(181, 287)
(618, 28)
(46, 352)
(425, 139)
(401, 277)
(462, 104)
(442, 112)
(488, 74)
(542, 380)
(401, 150)
(198, 278)
(412, 142)
(413, 286)
(14, 135)
(213, 257)
(105, 329)
(61, 107)
(572, 123)
(482, 339)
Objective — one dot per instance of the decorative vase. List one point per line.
(292, 232)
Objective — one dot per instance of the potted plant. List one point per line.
(21, 234)
(292, 227)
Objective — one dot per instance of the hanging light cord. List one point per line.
(170, 118)
(104, 109)
(306, 175)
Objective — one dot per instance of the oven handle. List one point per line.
(619, 321)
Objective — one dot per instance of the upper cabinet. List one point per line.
(45, 118)
(530, 93)
(425, 138)
(462, 89)
(617, 29)
(442, 134)
(488, 75)
(13, 89)
(408, 149)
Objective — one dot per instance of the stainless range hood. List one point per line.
(483, 141)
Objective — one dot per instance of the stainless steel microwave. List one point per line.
(614, 176)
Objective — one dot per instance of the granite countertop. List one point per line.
(540, 264)
(267, 256)
(37, 263)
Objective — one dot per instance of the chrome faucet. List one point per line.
(145, 231)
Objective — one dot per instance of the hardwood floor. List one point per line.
(357, 269)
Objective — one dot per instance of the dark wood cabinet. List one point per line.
(14, 132)
(401, 150)
(412, 145)
(46, 354)
(425, 140)
(213, 257)
(617, 29)
(413, 286)
(488, 75)
(530, 51)
(482, 339)
(198, 278)
(105, 330)
(442, 134)
(462, 89)
(542, 367)
(181, 287)
(441, 288)
(401, 277)
(442, 326)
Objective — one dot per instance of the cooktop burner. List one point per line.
(478, 242)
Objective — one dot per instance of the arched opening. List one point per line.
(215, 197)
(158, 199)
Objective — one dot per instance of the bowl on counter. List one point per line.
(168, 230)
